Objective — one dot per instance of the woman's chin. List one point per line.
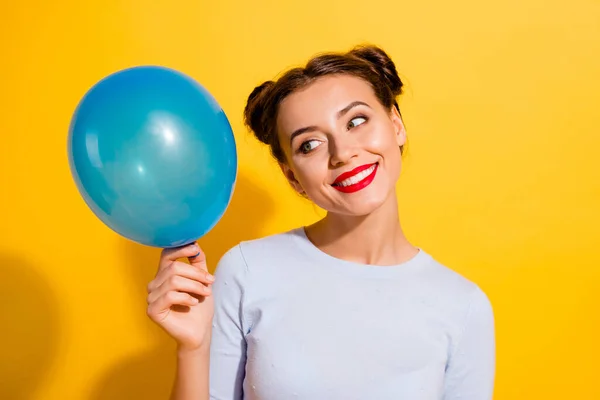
(364, 208)
(359, 205)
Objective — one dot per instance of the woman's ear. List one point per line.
(291, 177)
(398, 126)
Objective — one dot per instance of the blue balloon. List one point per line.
(153, 155)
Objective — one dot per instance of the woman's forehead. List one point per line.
(321, 99)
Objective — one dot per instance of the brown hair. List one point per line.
(368, 62)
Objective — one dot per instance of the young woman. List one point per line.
(343, 309)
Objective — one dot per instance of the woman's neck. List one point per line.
(375, 239)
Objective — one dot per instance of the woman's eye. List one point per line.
(354, 122)
(308, 146)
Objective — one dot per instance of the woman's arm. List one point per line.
(472, 365)
(192, 377)
(216, 370)
(204, 314)
(180, 301)
(229, 328)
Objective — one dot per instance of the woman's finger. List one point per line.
(179, 284)
(173, 254)
(168, 300)
(178, 268)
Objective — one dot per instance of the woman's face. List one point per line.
(341, 144)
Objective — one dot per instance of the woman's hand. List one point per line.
(179, 297)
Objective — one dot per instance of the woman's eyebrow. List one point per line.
(340, 114)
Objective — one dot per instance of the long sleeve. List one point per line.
(471, 368)
(228, 344)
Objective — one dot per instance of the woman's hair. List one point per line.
(368, 62)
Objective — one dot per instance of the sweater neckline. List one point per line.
(301, 239)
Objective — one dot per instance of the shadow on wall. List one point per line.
(150, 375)
(29, 328)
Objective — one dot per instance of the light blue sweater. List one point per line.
(292, 322)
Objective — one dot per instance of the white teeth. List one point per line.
(357, 178)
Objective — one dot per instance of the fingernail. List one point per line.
(210, 277)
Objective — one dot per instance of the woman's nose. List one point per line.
(342, 150)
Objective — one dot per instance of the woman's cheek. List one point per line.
(377, 140)
(311, 175)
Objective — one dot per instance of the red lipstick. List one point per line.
(356, 186)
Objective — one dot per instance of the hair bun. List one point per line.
(382, 64)
(260, 90)
(254, 111)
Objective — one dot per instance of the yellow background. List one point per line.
(501, 181)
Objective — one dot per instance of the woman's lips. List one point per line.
(357, 179)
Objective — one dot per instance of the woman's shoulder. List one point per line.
(452, 287)
(262, 251)
(271, 242)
